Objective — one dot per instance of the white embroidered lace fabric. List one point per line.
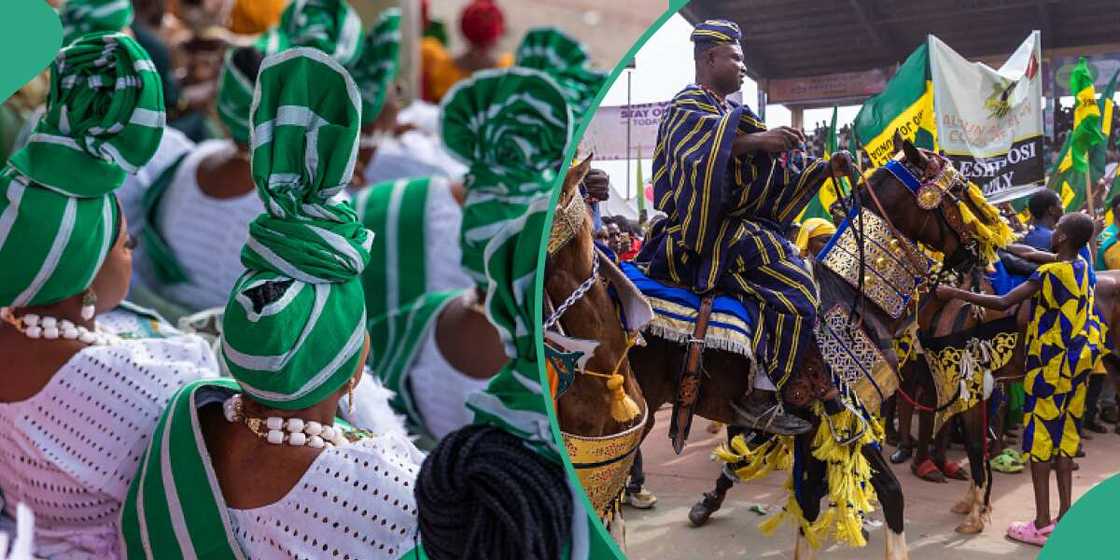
(439, 390)
(205, 234)
(442, 218)
(70, 451)
(353, 502)
(172, 145)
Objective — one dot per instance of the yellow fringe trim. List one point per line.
(990, 229)
(776, 454)
(849, 477)
(850, 494)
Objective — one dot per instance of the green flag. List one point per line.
(906, 106)
(1098, 155)
(826, 197)
(1086, 116)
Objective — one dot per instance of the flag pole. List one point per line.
(1092, 215)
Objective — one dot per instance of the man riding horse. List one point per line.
(730, 188)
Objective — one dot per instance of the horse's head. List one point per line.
(571, 224)
(928, 201)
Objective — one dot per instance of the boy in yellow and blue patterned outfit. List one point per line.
(1063, 342)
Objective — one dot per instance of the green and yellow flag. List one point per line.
(1085, 149)
(906, 106)
(818, 207)
(1086, 116)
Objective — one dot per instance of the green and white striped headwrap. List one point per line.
(235, 98)
(564, 59)
(511, 127)
(58, 218)
(80, 17)
(331, 26)
(376, 69)
(292, 348)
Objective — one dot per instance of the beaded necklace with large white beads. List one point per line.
(34, 326)
(280, 431)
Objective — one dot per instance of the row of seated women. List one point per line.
(117, 430)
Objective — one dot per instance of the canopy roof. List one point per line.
(802, 38)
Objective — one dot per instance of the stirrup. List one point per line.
(859, 434)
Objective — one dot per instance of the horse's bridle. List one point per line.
(567, 223)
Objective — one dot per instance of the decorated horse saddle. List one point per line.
(675, 311)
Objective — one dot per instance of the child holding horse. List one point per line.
(1063, 343)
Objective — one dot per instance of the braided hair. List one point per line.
(482, 493)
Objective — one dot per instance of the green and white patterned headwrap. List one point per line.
(58, 218)
(511, 128)
(375, 71)
(331, 26)
(80, 17)
(298, 344)
(565, 60)
(235, 98)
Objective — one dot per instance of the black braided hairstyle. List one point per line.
(482, 493)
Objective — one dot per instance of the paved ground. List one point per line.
(678, 481)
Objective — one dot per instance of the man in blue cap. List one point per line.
(730, 188)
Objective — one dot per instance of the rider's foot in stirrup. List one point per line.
(760, 410)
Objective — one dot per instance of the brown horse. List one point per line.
(658, 363)
(601, 434)
(951, 326)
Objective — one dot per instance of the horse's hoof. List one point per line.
(704, 509)
(970, 527)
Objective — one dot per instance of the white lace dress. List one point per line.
(70, 451)
(355, 501)
(205, 234)
(439, 390)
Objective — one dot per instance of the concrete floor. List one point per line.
(732, 532)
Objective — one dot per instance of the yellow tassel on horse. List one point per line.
(623, 408)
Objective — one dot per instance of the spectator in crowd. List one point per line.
(483, 25)
(596, 188)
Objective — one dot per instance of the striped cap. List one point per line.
(58, 217)
(294, 326)
(716, 31)
(80, 17)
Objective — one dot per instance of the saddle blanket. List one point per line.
(730, 328)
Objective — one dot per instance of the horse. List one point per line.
(593, 313)
(962, 345)
(941, 228)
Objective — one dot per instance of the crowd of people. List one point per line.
(231, 255)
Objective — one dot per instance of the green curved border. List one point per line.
(32, 29)
(1089, 519)
(601, 544)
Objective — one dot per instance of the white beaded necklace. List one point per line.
(278, 431)
(50, 328)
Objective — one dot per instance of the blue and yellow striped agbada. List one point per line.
(727, 217)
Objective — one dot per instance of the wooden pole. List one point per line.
(1092, 214)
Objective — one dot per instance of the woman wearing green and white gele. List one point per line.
(77, 403)
(426, 324)
(199, 212)
(261, 466)
(496, 489)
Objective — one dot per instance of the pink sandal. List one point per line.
(1026, 532)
